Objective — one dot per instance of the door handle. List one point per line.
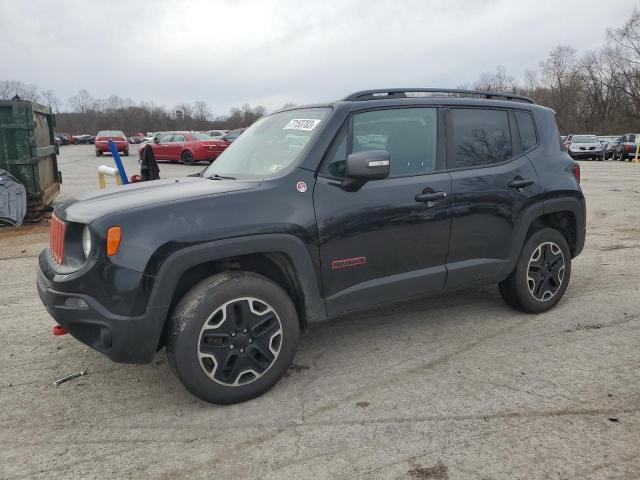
(430, 197)
(520, 183)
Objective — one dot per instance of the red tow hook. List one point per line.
(58, 330)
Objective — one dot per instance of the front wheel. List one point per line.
(187, 158)
(232, 337)
(541, 275)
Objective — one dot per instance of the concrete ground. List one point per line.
(453, 387)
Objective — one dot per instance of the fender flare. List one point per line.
(573, 204)
(289, 245)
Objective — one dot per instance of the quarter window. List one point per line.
(480, 137)
(408, 134)
(527, 130)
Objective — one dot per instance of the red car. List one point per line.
(190, 147)
(102, 142)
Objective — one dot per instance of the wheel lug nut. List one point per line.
(233, 334)
(244, 331)
(231, 347)
(250, 341)
(242, 350)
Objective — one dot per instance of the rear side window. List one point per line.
(178, 138)
(527, 130)
(480, 137)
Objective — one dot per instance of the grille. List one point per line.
(56, 238)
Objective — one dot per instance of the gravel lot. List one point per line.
(453, 387)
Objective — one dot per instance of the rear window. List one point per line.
(110, 133)
(200, 136)
(584, 139)
(480, 137)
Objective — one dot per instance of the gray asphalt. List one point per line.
(453, 387)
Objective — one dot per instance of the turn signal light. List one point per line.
(114, 234)
(576, 171)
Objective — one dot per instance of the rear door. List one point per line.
(176, 146)
(384, 241)
(493, 181)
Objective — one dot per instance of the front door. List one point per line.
(387, 240)
(161, 149)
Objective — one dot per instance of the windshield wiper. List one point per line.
(219, 177)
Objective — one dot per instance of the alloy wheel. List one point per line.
(240, 341)
(545, 272)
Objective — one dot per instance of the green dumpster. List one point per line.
(28, 151)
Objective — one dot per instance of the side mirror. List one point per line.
(156, 139)
(368, 165)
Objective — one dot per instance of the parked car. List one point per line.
(226, 269)
(61, 139)
(102, 142)
(188, 147)
(626, 148)
(216, 133)
(85, 139)
(584, 146)
(608, 145)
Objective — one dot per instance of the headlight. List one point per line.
(86, 241)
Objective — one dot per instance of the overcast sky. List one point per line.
(274, 51)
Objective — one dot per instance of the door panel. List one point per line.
(379, 244)
(161, 149)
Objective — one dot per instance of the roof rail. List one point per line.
(390, 93)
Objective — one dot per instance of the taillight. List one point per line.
(576, 171)
(56, 238)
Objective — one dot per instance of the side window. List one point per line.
(178, 138)
(166, 138)
(480, 137)
(527, 130)
(409, 135)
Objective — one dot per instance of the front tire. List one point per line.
(232, 337)
(541, 275)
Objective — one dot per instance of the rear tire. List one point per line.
(187, 158)
(98, 153)
(232, 337)
(541, 275)
(125, 153)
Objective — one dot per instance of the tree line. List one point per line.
(597, 92)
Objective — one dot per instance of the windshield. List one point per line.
(585, 139)
(270, 145)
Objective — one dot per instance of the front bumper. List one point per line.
(585, 154)
(122, 338)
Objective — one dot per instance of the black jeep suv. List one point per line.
(314, 212)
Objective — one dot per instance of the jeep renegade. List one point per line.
(312, 213)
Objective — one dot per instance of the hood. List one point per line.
(92, 205)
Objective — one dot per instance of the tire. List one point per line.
(98, 153)
(532, 287)
(187, 158)
(238, 357)
(125, 153)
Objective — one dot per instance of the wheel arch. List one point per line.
(282, 258)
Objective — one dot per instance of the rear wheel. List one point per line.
(232, 337)
(125, 153)
(187, 158)
(98, 153)
(541, 275)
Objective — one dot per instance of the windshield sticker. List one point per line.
(306, 124)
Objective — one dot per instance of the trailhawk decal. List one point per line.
(348, 262)
(306, 124)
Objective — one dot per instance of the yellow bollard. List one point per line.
(636, 159)
(104, 171)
